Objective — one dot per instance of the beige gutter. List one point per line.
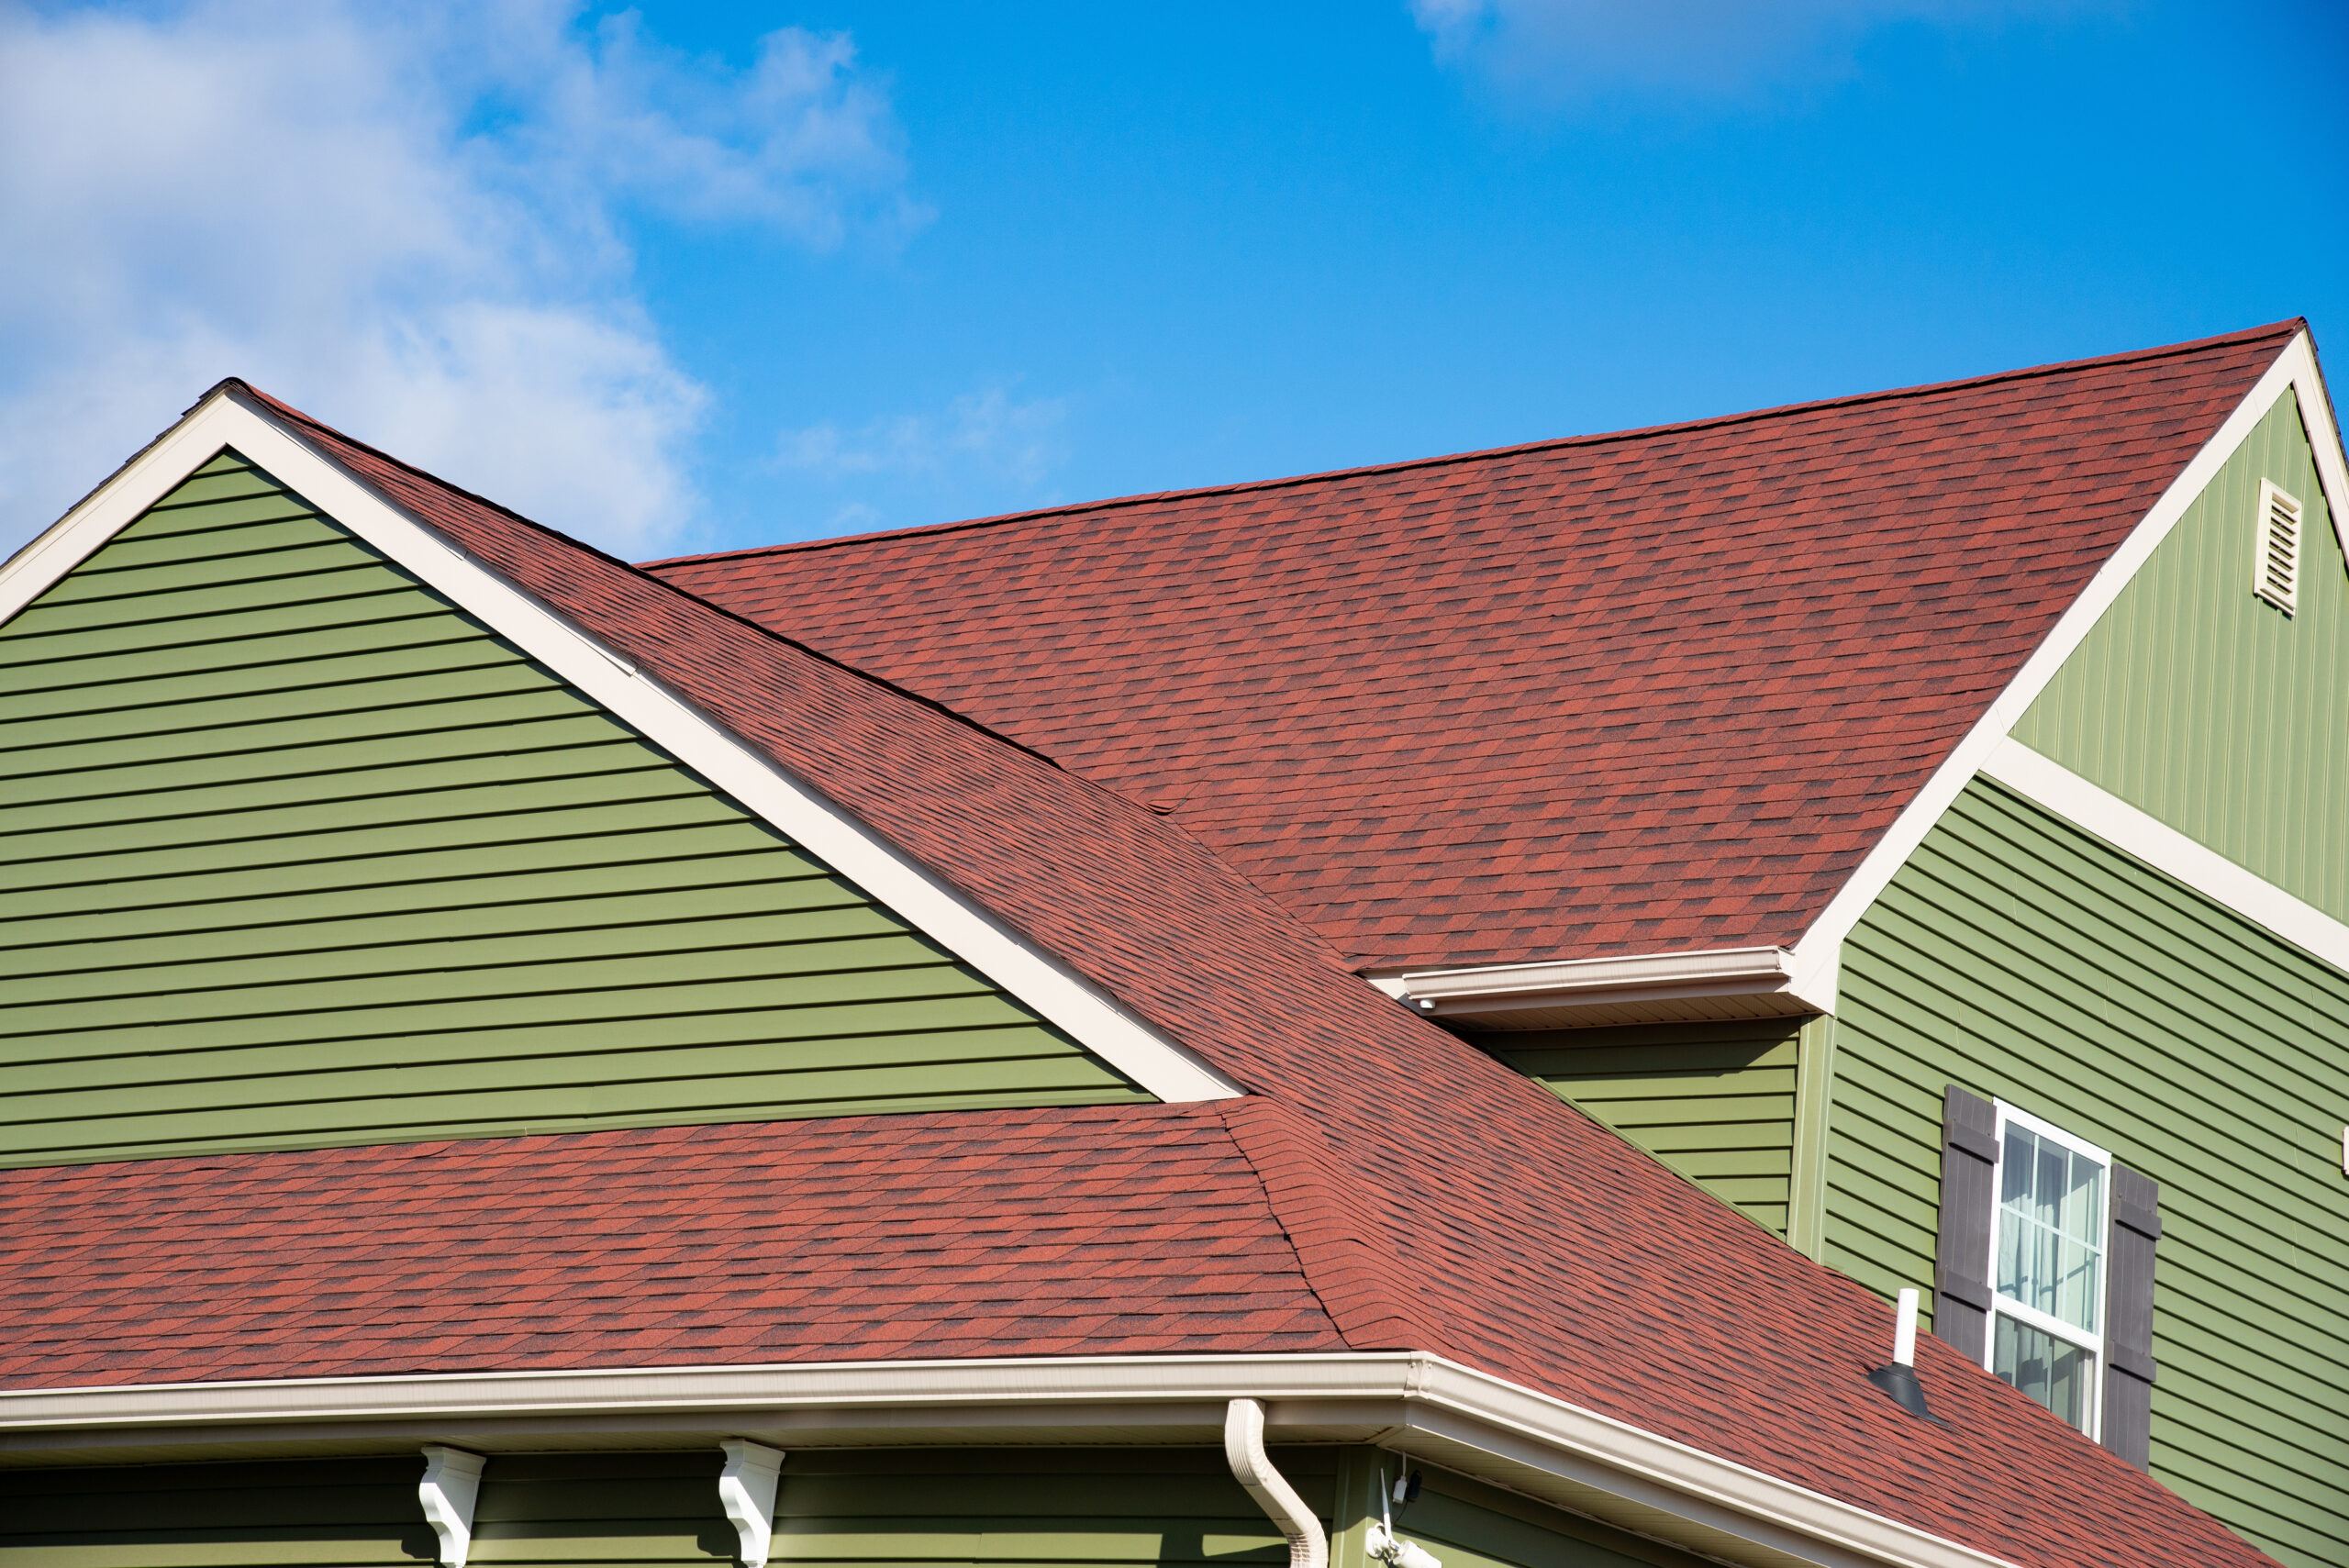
(1724, 981)
(1414, 1403)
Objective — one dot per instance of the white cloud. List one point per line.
(987, 434)
(411, 220)
(1567, 50)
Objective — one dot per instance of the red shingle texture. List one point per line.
(1137, 1228)
(1650, 692)
(1431, 1198)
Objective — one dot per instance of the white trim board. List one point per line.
(796, 807)
(1817, 954)
(2169, 852)
(1414, 1399)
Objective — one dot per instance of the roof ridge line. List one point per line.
(1551, 443)
(708, 604)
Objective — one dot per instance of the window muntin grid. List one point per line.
(2060, 1376)
(2051, 1228)
(2047, 1242)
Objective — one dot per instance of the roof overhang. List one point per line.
(1725, 983)
(1818, 954)
(1421, 1405)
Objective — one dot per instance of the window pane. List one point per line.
(2055, 1374)
(2051, 1255)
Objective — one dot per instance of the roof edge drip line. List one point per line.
(1414, 1399)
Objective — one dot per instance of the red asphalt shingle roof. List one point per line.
(1134, 1230)
(1639, 692)
(1430, 1199)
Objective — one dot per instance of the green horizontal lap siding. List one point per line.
(336, 1513)
(2207, 708)
(2022, 958)
(295, 853)
(1018, 1508)
(1715, 1102)
(1095, 1507)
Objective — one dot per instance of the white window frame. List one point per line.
(2031, 1317)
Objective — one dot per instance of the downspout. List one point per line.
(1243, 1448)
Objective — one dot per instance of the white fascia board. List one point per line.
(2324, 440)
(1515, 987)
(794, 805)
(1450, 1401)
(1817, 955)
(2169, 852)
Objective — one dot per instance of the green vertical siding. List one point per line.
(1715, 1102)
(1097, 1507)
(2019, 956)
(2210, 708)
(292, 851)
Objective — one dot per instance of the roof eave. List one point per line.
(1722, 982)
(1419, 1404)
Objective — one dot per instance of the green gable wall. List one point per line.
(2023, 959)
(1715, 1102)
(2210, 709)
(1117, 1508)
(292, 851)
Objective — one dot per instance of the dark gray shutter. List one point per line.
(2129, 1316)
(1962, 1257)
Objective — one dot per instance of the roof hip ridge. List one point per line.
(2285, 330)
(1348, 1261)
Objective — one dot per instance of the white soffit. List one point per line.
(2294, 368)
(796, 807)
(1761, 977)
(2169, 852)
(1404, 1393)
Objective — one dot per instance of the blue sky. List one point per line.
(699, 276)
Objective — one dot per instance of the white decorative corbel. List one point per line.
(451, 1483)
(746, 1488)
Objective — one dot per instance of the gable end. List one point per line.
(300, 853)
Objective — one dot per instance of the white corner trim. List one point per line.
(1440, 1398)
(1243, 1451)
(452, 1484)
(746, 1491)
(794, 805)
(2169, 852)
(1817, 954)
(1518, 987)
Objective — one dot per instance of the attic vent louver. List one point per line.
(2278, 570)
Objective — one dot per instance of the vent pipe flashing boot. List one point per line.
(1898, 1377)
